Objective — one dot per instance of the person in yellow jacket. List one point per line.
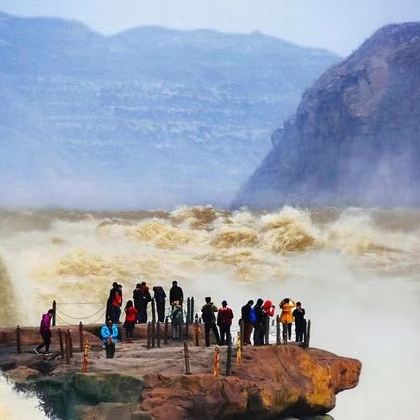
(286, 317)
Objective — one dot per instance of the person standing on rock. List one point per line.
(300, 322)
(111, 299)
(286, 317)
(269, 310)
(109, 334)
(176, 294)
(130, 320)
(224, 321)
(248, 319)
(45, 331)
(141, 296)
(116, 303)
(177, 318)
(160, 299)
(209, 319)
(259, 325)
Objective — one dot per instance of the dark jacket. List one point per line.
(159, 294)
(176, 293)
(299, 315)
(245, 312)
(207, 312)
(224, 317)
(141, 295)
(259, 313)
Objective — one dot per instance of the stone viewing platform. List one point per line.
(270, 381)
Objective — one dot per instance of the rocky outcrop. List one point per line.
(271, 382)
(355, 138)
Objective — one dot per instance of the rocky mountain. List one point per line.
(145, 118)
(355, 138)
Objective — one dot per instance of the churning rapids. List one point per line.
(356, 272)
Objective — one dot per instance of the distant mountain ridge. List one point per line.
(150, 117)
(355, 138)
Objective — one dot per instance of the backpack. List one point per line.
(252, 316)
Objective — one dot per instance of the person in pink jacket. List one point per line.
(45, 331)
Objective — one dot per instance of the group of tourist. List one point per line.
(255, 318)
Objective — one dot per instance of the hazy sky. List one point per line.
(339, 25)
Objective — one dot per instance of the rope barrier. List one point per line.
(83, 317)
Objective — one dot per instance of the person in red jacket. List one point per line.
(224, 321)
(269, 310)
(130, 319)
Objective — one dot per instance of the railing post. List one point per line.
(216, 362)
(192, 310)
(70, 344)
(229, 359)
(239, 350)
(307, 334)
(187, 358)
(241, 334)
(81, 336)
(66, 337)
(85, 356)
(187, 325)
(188, 310)
(196, 333)
(165, 339)
(278, 330)
(267, 330)
(54, 317)
(153, 322)
(60, 338)
(149, 331)
(18, 340)
(158, 335)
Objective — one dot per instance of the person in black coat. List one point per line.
(209, 319)
(259, 323)
(160, 297)
(176, 294)
(246, 319)
(300, 322)
(141, 297)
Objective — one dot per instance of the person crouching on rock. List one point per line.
(248, 319)
(45, 331)
(224, 321)
(300, 322)
(209, 320)
(269, 310)
(109, 334)
(130, 320)
(177, 318)
(286, 317)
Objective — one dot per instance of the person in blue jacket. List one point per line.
(109, 334)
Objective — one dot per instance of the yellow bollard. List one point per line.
(216, 362)
(85, 356)
(239, 350)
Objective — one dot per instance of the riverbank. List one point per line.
(140, 383)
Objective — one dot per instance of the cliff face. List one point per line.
(271, 382)
(355, 138)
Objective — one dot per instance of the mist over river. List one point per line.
(355, 271)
